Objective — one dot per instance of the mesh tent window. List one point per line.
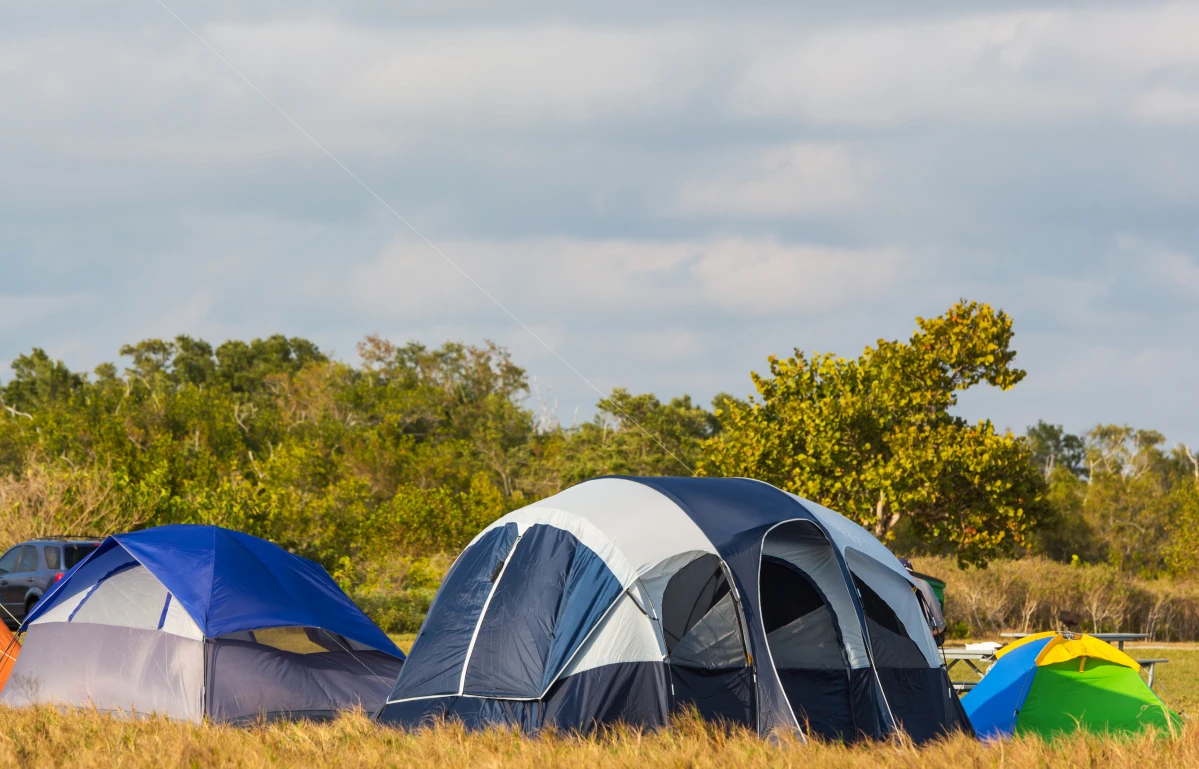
(890, 641)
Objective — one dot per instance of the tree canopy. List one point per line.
(380, 467)
(874, 438)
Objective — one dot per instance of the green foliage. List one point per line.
(1052, 447)
(874, 439)
(38, 381)
(1127, 502)
(377, 471)
(382, 469)
(639, 435)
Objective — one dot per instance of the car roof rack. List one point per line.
(66, 538)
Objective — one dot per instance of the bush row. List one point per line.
(1035, 593)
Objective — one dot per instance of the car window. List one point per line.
(53, 557)
(28, 559)
(76, 553)
(8, 563)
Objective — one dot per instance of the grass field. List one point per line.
(45, 737)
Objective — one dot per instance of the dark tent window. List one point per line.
(787, 594)
(803, 635)
(690, 594)
(709, 668)
(890, 643)
(800, 625)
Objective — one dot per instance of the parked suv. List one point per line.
(28, 570)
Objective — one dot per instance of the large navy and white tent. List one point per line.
(627, 599)
(195, 621)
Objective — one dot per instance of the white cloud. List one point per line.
(995, 68)
(1177, 270)
(1168, 104)
(1167, 267)
(767, 277)
(152, 92)
(354, 86)
(623, 279)
(984, 153)
(801, 178)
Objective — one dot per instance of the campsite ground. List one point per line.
(45, 737)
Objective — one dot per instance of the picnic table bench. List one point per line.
(1150, 664)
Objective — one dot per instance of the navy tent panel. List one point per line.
(732, 512)
(551, 594)
(439, 652)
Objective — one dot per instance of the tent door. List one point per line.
(798, 588)
(705, 644)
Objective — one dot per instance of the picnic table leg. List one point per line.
(1152, 665)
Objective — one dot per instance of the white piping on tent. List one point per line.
(769, 655)
(483, 614)
(819, 521)
(646, 525)
(587, 533)
(625, 635)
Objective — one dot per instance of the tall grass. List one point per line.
(1032, 593)
(45, 737)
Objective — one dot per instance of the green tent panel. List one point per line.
(1104, 697)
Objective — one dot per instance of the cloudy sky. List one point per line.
(665, 192)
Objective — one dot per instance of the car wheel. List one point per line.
(29, 607)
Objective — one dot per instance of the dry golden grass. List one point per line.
(45, 737)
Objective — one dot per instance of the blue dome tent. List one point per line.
(628, 599)
(200, 621)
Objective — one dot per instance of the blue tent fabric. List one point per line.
(230, 582)
(994, 703)
(553, 591)
(439, 652)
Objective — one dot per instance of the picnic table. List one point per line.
(977, 660)
(1117, 638)
(980, 660)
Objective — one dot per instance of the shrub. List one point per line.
(1031, 594)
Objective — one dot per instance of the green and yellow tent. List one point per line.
(1056, 683)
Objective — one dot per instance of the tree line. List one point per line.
(404, 454)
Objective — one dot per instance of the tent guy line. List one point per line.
(419, 234)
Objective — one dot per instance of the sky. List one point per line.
(663, 193)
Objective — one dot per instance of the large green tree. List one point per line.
(873, 437)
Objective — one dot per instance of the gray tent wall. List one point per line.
(668, 593)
